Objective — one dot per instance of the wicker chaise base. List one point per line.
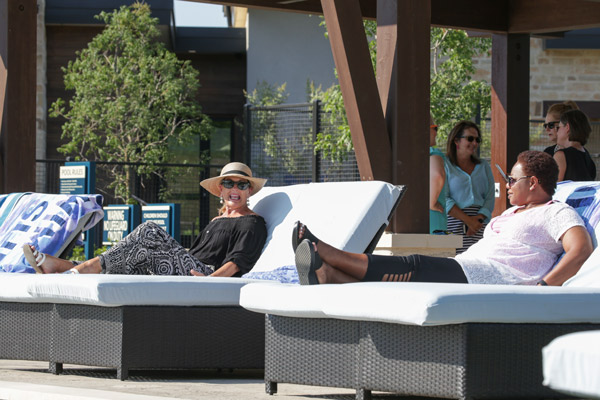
(135, 337)
(24, 331)
(464, 361)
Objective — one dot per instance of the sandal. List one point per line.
(307, 235)
(308, 262)
(34, 258)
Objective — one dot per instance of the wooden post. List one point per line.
(510, 105)
(17, 95)
(359, 88)
(403, 41)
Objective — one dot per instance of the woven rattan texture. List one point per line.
(414, 360)
(24, 331)
(508, 358)
(495, 361)
(86, 335)
(322, 352)
(148, 337)
(193, 337)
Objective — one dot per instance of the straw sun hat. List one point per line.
(237, 170)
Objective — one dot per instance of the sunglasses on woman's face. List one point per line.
(551, 125)
(471, 138)
(229, 184)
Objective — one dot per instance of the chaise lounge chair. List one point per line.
(572, 364)
(158, 322)
(426, 339)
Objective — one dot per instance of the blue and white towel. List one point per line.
(46, 221)
(285, 274)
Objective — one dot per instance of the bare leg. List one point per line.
(52, 265)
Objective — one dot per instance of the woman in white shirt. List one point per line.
(521, 246)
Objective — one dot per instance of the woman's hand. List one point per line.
(438, 207)
(474, 223)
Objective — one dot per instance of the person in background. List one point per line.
(552, 120)
(470, 199)
(438, 186)
(574, 161)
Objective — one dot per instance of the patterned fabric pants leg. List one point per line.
(149, 250)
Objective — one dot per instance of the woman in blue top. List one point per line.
(438, 186)
(470, 199)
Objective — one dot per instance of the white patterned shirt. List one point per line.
(519, 248)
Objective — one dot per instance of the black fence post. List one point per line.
(316, 159)
(247, 133)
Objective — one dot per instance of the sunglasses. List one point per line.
(435, 127)
(229, 184)
(509, 179)
(471, 138)
(551, 125)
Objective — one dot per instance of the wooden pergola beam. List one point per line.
(542, 16)
(359, 88)
(510, 105)
(17, 95)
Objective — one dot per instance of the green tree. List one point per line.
(132, 99)
(454, 94)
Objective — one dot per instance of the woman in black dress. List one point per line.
(228, 246)
(574, 161)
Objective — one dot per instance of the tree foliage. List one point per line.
(454, 94)
(132, 98)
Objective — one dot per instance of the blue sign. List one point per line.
(119, 221)
(73, 179)
(164, 215)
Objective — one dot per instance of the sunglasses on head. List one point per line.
(551, 125)
(229, 184)
(471, 138)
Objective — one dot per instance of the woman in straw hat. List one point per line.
(228, 246)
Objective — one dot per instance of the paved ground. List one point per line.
(29, 380)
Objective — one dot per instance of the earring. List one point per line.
(247, 202)
(221, 200)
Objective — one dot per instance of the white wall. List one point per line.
(288, 47)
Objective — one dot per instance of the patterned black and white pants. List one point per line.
(458, 227)
(149, 250)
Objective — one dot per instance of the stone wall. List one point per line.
(555, 75)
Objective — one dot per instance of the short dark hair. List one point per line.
(542, 166)
(579, 125)
(456, 132)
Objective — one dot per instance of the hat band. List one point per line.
(235, 171)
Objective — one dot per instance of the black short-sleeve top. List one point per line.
(239, 240)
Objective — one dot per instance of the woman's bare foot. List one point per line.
(44, 263)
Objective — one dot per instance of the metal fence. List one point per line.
(197, 206)
(281, 145)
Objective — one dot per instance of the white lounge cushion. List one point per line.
(346, 215)
(118, 290)
(426, 303)
(572, 364)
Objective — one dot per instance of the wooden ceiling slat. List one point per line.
(542, 16)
